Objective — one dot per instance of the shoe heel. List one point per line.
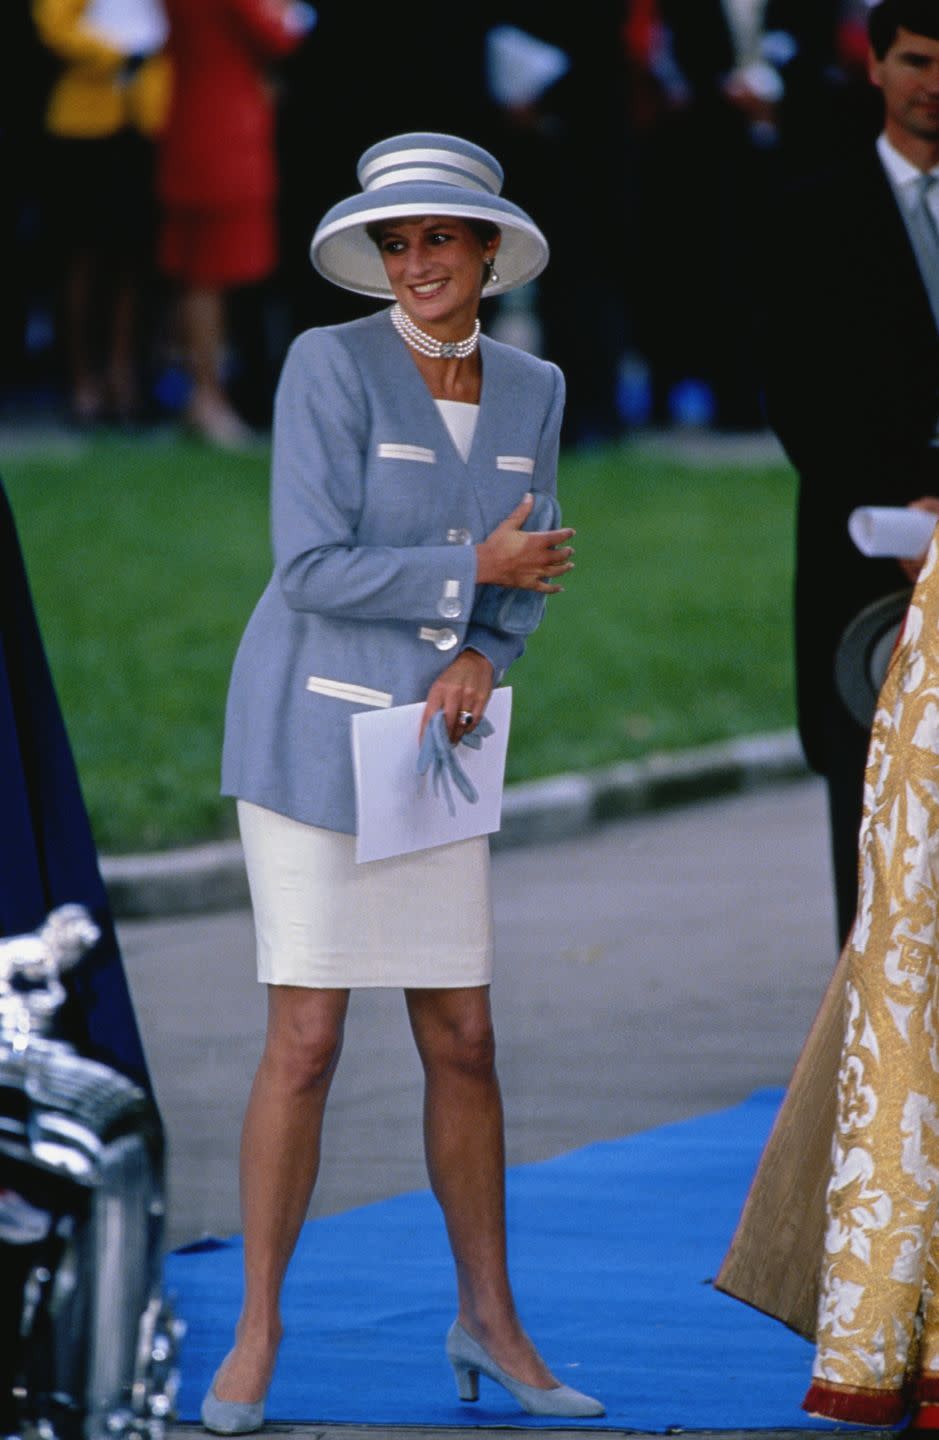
(467, 1381)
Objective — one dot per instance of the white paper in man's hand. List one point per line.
(397, 810)
(891, 530)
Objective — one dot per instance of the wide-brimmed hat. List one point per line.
(424, 174)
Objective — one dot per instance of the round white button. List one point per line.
(446, 639)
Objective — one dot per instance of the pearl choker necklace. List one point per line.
(425, 344)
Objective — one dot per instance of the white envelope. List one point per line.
(396, 809)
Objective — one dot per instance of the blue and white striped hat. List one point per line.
(424, 174)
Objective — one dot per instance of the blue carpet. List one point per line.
(613, 1248)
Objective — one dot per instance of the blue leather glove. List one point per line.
(437, 755)
(504, 607)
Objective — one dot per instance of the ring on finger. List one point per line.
(466, 717)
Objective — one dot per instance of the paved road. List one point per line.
(652, 970)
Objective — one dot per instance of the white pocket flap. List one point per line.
(388, 450)
(344, 690)
(521, 464)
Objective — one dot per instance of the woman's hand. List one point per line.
(524, 559)
(463, 689)
(911, 568)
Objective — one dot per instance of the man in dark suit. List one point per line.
(852, 382)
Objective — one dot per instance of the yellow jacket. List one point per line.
(91, 98)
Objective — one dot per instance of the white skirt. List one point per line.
(420, 921)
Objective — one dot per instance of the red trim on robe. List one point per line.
(864, 1407)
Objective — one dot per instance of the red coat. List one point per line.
(217, 151)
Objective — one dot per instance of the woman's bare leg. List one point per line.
(86, 389)
(122, 382)
(209, 411)
(465, 1147)
(280, 1152)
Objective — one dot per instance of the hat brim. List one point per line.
(864, 652)
(343, 252)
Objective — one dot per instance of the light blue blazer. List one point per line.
(374, 519)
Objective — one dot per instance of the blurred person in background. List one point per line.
(851, 349)
(217, 179)
(104, 108)
(319, 99)
(557, 80)
(27, 72)
(742, 89)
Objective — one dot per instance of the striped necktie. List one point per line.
(924, 234)
(924, 187)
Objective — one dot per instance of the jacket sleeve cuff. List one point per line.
(499, 649)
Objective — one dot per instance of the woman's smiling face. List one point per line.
(436, 268)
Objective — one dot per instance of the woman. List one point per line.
(107, 104)
(404, 448)
(840, 1234)
(217, 179)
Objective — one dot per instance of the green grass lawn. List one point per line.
(145, 560)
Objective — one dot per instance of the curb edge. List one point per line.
(206, 878)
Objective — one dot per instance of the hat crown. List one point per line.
(423, 156)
